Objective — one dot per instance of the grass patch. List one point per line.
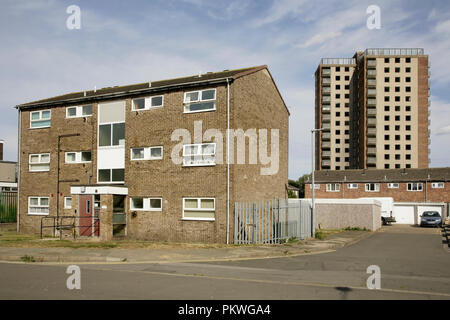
(27, 258)
(355, 229)
(320, 235)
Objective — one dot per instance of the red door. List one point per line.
(89, 224)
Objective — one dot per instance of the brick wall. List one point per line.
(428, 194)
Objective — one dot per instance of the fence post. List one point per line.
(253, 222)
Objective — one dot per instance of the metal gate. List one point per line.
(8, 207)
(271, 221)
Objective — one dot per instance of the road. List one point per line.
(413, 264)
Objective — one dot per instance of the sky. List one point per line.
(125, 42)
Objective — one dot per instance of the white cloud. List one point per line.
(320, 38)
(279, 10)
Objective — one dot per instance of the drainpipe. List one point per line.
(228, 161)
(18, 170)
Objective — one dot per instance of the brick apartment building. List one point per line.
(375, 111)
(108, 156)
(409, 188)
(8, 173)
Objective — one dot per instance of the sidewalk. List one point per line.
(172, 255)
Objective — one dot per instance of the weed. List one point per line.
(319, 235)
(27, 258)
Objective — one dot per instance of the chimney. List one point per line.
(1, 149)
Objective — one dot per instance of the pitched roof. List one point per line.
(142, 87)
(388, 175)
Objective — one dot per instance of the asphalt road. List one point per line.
(413, 264)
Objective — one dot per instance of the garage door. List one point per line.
(404, 214)
(421, 209)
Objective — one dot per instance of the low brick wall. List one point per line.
(343, 213)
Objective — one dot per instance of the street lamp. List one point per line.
(313, 131)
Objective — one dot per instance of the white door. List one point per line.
(422, 209)
(404, 214)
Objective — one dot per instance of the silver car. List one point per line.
(430, 218)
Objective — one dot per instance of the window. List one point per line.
(397, 147)
(386, 60)
(386, 89)
(397, 69)
(147, 153)
(408, 157)
(338, 105)
(408, 147)
(338, 87)
(199, 101)
(338, 69)
(79, 111)
(408, 69)
(372, 187)
(111, 135)
(437, 185)
(67, 203)
(408, 89)
(386, 165)
(386, 118)
(386, 69)
(333, 187)
(393, 185)
(347, 69)
(397, 157)
(408, 108)
(338, 78)
(386, 156)
(38, 205)
(39, 162)
(78, 157)
(40, 119)
(386, 79)
(146, 204)
(414, 186)
(397, 166)
(352, 186)
(386, 147)
(199, 154)
(397, 79)
(408, 60)
(408, 118)
(147, 103)
(347, 78)
(338, 96)
(397, 60)
(111, 175)
(408, 79)
(386, 108)
(199, 209)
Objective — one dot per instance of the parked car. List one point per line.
(430, 218)
(387, 205)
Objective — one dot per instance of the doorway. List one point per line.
(89, 222)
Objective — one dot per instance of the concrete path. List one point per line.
(164, 255)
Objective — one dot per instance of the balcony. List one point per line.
(326, 81)
(371, 161)
(372, 151)
(326, 163)
(326, 72)
(325, 109)
(371, 122)
(326, 118)
(326, 136)
(393, 51)
(326, 99)
(371, 83)
(371, 112)
(326, 91)
(326, 126)
(371, 92)
(371, 102)
(371, 132)
(326, 145)
(326, 154)
(371, 73)
(371, 141)
(371, 63)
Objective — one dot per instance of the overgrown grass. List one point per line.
(27, 258)
(355, 229)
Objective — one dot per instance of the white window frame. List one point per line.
(200, 147)
(79, 111)
(147, 103)
(38, 163)
(40, 119)
(111, 133)
(146, 204)
(147, 153)
(333, 187)
(199, 100)
(410, 185)
(38, 206)
(376, 187)
(199, 209)
(110, 175)
(352, 186)
(78, 157)
(65, 203)
(438, 185)
(393, 185)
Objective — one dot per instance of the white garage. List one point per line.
(409, 213)
(404, 214)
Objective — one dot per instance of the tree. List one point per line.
(300, 183)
